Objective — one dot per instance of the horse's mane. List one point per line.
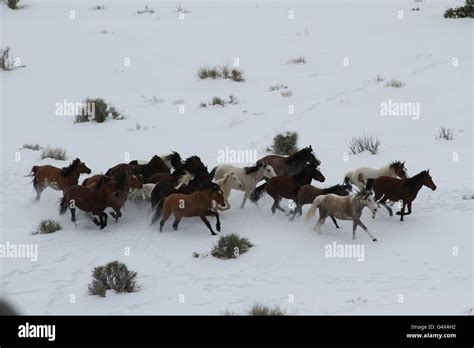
(298, 155)
(415, 178)
(332, 188)
(99, 183)
(65, 171)
(174, 158)
(395, 164)
(224, 182)
(250, 170)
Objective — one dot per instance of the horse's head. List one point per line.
(82, 168)
(135, 181)
(234, 181)
(428, 180)
(366, 198)
(315, 173)
(399, 169)
(175, 160)
(216, 195)
(268, 171)
(310, 156)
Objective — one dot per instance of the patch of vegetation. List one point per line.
(444, 133)
(113, 276)
(394, 83)
(259, 309)
(297, 60)
(223, 72)
(285, 144)
(379, 78)
(277, 87)
(97, 8)
(33, 147)
(48, 226)
(286, 94)
(232, 100)
(181, 9)
(56, 153)
(231, 246)
(101, 111)
(6, 62)
(146, 10)
(364, 143)
(13, 4)
(466, 11)
(468, 196)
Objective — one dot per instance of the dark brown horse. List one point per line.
(190, 165)
(124, 181)
(280, 187)
(307, 194)
(59, 179)
(199, 203)
(394, 189)
(154, 166)
(89, 199)
(289, 165)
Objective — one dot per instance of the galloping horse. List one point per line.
(280, 187)
(289, 165)
(227, 183)
(344, 208)
(307, 194)
(172, 160)
(199, 203)
(89, 199)
(394, 189)
(56, 178)
(249, 176)
(360, 176)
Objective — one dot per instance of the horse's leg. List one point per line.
(279, 198)
(218, 221)
(206, 221)
(358, 222)
(39, 187)
(402, 211)
(354, 227)
(104, 220)
(73, 214)
(246, 195)
(177, 219)
(409, 208)
(322, 218)
(100, 221)
(382, 201)
(165, 217)
(334, 220)
(274, 206)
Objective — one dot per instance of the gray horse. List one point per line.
(344, 208)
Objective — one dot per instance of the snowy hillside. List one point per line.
(146, 66)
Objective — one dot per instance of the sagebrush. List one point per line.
(47, 226)
(101, 111)
(364, 143)
(113, 276)
(285, 143)
(56, 153)
(231, 246)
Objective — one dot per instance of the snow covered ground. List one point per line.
(423, 265)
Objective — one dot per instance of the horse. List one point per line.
(249, 176)
(198, 203)
(143, 193)
(280, 187)
(188, 184)
(307, 194)
(172, 160)
(289, 165)
(394, 189)
(345, 208)
(154, 166)
(190, 165)
(228, 182)
(124, 181)
(360, 176)
(89, 199)
(56, 178)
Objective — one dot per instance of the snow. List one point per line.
(413, 260)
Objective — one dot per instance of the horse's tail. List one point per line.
(347, 180)
(156, 213)
(257, 193)
(312, 210)
(33, 174)
(213, 171)
(62, 205)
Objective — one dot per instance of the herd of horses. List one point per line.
(185, 188)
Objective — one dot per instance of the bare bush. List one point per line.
(395, 84)
(113, 276)
(364, 143)
(297, 60)
(56, 153)
(48, 226)
(444, 133)
(33, 147)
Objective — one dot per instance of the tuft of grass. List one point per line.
(13, 4)
(468, 196)
(101, 111)
(6, 63)
(259, 309)
(33, 147)
(181, 9)
(379, 78)
(231, 246)
(277, 87)
(286, 94)
(113, 276)
(285, 143)
(56, 153)
(444, 133)
(97, 8)
(232, 100)
(48, 226)
(364, 143)
(394, 83)
(223, 72)
(297, 60)
(217, 101)
(466, 11)
(146, 10)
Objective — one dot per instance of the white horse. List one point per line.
(228, 182)
(249, 176)
(344, 208)
(143, 193)
(359, 176)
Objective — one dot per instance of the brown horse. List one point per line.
(59, 179)
(280, 187)
(124, 181)
(394, 189)
(89, 199)
(307, 194)
(289, 165)
(198, 203)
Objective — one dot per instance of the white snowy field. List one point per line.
(423, 265)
